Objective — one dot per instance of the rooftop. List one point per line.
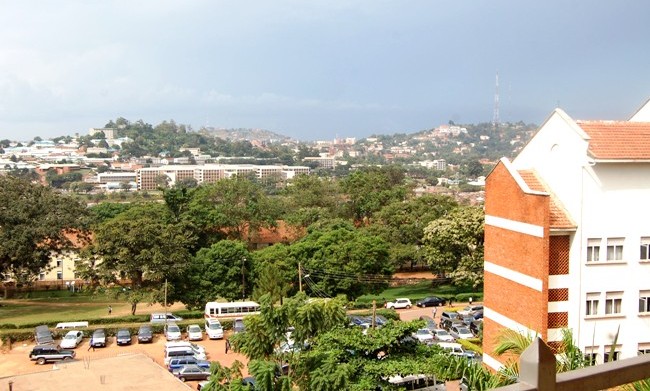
(618, 140)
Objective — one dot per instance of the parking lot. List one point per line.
(16, 361)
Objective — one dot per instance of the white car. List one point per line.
(399, 303)
(461, 332)
(194, 333)
(442, 335)
(423, 335)
(173, 332)
(197, 350)
(213, 329)
(72, 339)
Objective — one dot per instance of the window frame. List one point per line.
(644, 248)
(593, 250)
(613, 303)
(614, 249)
(644, 302)
(591, 304)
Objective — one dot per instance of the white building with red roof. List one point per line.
(567, 237)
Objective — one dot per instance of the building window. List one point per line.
(615, 249)
(593, 250)
(613, 302)
(611, 356)
(644, 302)
(59, 275)
(591, 356)
(644, 348)
(41, 276)
(645, 249)
(59, 263)
(592, 303)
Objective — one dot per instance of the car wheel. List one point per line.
(408, 307)
(40, 361)
(66, 358)
(182, 378)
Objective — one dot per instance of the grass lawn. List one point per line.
(62, 306)
(415, 292)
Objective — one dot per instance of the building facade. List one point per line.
(567, 239)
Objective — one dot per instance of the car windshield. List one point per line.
(195, 329)
(463, 330)
(98, 333)
(214, 326)
(173, 329)
(423, 331)
(123, 333)
(71, 336)
(145, 331)
(442, 332)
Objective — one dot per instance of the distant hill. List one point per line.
(245, 134)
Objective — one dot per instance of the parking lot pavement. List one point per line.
(16, 361)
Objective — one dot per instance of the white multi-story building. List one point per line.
(567, 238)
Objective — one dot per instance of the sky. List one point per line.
(317, 69)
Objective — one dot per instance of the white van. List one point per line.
(197, 350)
(213, 329)
(177, 351)
(71, 325)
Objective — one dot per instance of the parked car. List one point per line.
(451, 315)
(423, 336)
(442, 335)
(213, 329)
(191, 372)
(476, 326)
(196, 350)
(123, 337)
(172, 332)
(194, 333)
(460, 332)
(98, 339)
(48, 353)
(456, 349)
(72, 339)
(176, 363)
(238, 326)
(470, 309)
(43, 335)
(399, 303)
(430, 324)
(431, 301)
(478, 315)
(162, 317)
(145, 334)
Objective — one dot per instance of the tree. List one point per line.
(309, 199)
(35, 223)
(402, 223)
(454, 245)
(220, 271)
(143, 245)
(232, 208)
(343, 260)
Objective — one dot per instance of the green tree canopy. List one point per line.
(34, 223)
(454, 245)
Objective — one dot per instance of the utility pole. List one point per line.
(299, 277)
(374, 313)
(165, 304)
(243, 279)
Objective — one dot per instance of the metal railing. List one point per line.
(538, 372)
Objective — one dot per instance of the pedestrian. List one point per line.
(470, 301)
(92, 345)
(435, 312)
(228, 347)
(110, 309)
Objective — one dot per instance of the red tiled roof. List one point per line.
(559, 218)
(618, 140)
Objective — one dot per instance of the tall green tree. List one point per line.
(309, 199)
(35, 223)
(143, 245)
(232, 208)
(454, 245)
(219, 271)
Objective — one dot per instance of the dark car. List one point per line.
(191, 372)
(43, 335)
(123, 337)
(145, 334)
(179, 362)
(478, 315)
(47, 353)
(430, 324)
(238, 326)
(431, 301)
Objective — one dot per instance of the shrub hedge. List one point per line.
(473, 344)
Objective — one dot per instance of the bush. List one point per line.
(388, 314)
(476, 296)
(473, 344)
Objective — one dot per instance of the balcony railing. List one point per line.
(537, 372)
